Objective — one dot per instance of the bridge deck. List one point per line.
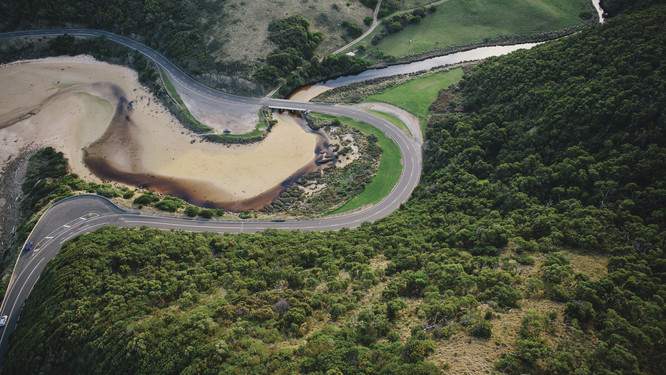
(285, 108)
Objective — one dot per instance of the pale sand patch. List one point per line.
(211, 114)
(243, 171)
(68, 119)
(307, 93)
(81, 111)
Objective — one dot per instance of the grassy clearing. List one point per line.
(590, 264)
(393, 120)
(415, 96)
(457, 23)
(387, 175)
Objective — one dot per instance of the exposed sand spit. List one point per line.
(306, 93)
(102, 119)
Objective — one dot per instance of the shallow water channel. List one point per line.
(101, 158)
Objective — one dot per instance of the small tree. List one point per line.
(192, 211)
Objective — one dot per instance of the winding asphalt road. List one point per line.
(85, 213)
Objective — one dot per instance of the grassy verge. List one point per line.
(387, 174)
(193, 123)
(415, 96)
(393, 120)
(472, 21)
(258, 134)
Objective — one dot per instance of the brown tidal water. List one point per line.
(116, 156)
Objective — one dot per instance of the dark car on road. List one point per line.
(28, 246)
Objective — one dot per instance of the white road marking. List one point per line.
(84, 230)
(16, 300)
(179, 225)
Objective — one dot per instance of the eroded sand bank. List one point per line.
(97, 111)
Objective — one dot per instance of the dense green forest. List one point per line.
(614, 7)
(559, 154)
(171, 27)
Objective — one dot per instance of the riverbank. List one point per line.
(465, 25)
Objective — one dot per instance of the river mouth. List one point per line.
(166, 161)
(118, 156)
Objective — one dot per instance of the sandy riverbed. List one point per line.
(70, 102)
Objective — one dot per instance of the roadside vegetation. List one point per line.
(369, 176)
(554, 170)
(386, 177)
(191, 123)
(43, 184)
(399, 22)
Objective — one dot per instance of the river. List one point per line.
(480, 53)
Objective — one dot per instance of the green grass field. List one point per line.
(415, 96)
(388, 172)
(461, 22)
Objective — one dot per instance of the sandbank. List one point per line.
(69, 102)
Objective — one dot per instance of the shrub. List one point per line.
(417, 350)
(559, 294)
(337, 310)
(170, 204)
(146, 199)
(503, 295)
(481, 328)
(108, 191)
(192, 211)
(207, 213)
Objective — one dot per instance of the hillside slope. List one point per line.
(534, 244)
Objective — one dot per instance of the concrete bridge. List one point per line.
(287, 108)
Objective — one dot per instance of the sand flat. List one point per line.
(307, 93)
(74, 100)
(243, 171)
